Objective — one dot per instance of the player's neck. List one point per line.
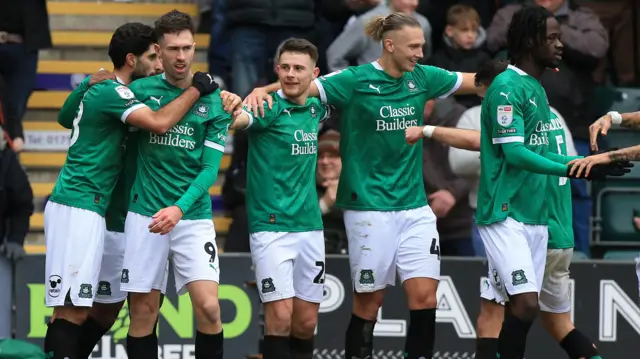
(300, 99)
(181, 83)
(123, 75)
(389, 67)
(531, 68)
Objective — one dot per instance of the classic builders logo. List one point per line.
(177, 323)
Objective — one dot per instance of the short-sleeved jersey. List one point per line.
(559, 193)
(281, 165)
(168, 164)
(380, 171)
(514, 110)
(119, 205)
(94, 158)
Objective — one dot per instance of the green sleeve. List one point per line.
(562, 159)
(337, 87)
(70, 107)
(439, 82)
(206, 178)
(519, 156)
(257, 122)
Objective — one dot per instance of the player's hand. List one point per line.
(331, 191)
(441, 202)
(165, 220)
(413, 134)
(254, 101)
(597, 167)
(100, 76)
(204, 83)
(17, 145)
(601, 126)
(231, 102)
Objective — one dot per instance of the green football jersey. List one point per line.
(281, 167)
(380, 171)
(559, 193)
(119, 205)
(94, 158)
(168, 164)
(514, 109)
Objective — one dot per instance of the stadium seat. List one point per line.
(627, 100)
(152, 9)
(621, 255)
(62, 38)
(577, 255)
(57, 159)
(614, 210)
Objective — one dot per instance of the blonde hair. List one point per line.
(463, 15)
(378, 26)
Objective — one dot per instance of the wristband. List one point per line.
(427, 131)
(616, 118)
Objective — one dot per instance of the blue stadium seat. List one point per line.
(614, 211)
(577, 255)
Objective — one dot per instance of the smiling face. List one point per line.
(405, 46)
(295, 71)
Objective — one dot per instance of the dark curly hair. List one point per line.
(132, 38)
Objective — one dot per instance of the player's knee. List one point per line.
(75, 315)
(278, 321)
(366, 305)
(421, 293)
(143, 309)
(489, 320)
(525, 306)
(106, 314)
(304, 325)
(208, 310)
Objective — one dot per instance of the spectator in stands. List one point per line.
(334, 15)
(570, 90)
(447, 193)
(464, 39)
(16, 203)
(218, 54)
(205, 17)
(24, 29)
(257, 28)
(327, 175)
(354, 46)
(617, 18)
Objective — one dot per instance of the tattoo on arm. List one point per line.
(631, 120)
(626, 154)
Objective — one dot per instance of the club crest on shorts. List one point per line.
(125, 276)
(366, 277)
(55, 284)
(518, 277)
(267, 286)
(104, 288)
(85, 291)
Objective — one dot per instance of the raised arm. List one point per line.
(630, 120)
(168, 116)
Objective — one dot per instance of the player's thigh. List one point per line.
(273, 254)
(145, 256)
(111, 269)
(555, 296)
(419, 249)
(373, 245)
(309, 266)
(538, 239)
(509, 255)
(194, 253)
(74, 245)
